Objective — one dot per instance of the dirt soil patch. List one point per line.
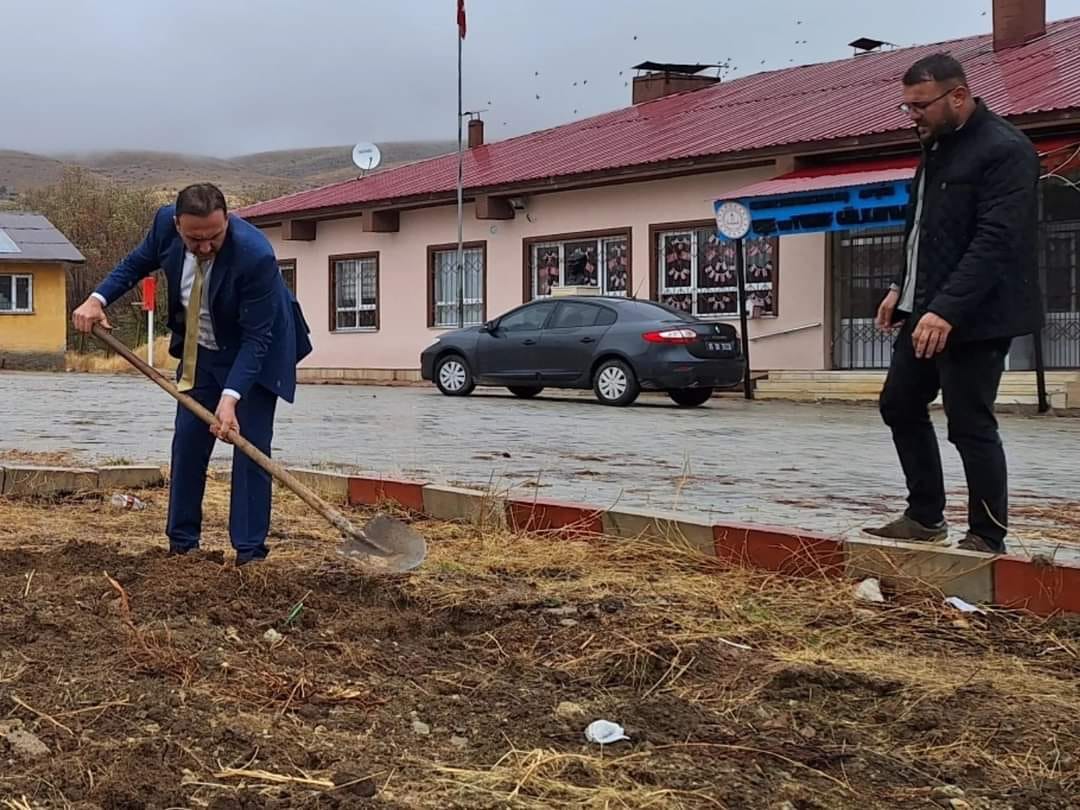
(129, 679)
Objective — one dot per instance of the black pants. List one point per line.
(967, 375)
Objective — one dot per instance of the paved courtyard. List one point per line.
(816, 467)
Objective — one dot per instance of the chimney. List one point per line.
(476, 133)
(1017, 22)
(663, 79)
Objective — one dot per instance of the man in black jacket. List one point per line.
(969, 287)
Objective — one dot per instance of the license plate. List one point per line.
(721, 346)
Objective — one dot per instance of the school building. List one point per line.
(624, 202)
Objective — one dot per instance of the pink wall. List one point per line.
(403, 331)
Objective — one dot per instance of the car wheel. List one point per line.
(690, 397)
(453, 377)
(525, 391)
(615, 383)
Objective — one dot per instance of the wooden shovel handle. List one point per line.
(335, 517)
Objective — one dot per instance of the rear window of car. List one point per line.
(654, 309)
(571, 315)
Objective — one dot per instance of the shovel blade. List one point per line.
(386, 545)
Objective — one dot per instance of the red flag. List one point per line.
(461, 18)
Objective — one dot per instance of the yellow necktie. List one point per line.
(191, 329)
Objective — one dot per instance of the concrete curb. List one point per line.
(1039, 587)
(130, 476)
(27, 480)
(1042, 587)
(24, 481)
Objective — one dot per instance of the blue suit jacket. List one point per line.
(256, 319)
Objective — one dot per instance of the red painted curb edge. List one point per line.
(365, 491)
(543, 515)
(1041, 588)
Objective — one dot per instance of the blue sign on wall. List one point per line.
(876, 205)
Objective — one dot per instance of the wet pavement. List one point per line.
(817, 467)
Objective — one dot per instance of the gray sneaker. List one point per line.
(911, 531)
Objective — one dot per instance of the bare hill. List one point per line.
(22, 171)
(254, 176)
(331, 164)
(170, 171)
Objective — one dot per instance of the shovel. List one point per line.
(384, 544)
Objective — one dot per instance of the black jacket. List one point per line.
(978, 254)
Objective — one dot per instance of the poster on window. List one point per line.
(716, 262)
(616, 266)
(680, 301)
(719, 304)
(545, 268)
(761, 274)
(677, 261)
(581, 266)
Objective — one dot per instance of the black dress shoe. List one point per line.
(245, 557)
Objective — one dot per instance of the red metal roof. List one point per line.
(809, 104)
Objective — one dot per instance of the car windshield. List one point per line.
(664, 312)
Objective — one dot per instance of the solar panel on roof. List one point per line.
(7, 244)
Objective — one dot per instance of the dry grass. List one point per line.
(115, 364)
(738, 689)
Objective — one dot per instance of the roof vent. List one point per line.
(666, 78)
(865, 45)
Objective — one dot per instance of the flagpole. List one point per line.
(460, 193)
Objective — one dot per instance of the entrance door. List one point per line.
(1059, 266)
(864, 264)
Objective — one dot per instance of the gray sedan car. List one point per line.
(616, 346)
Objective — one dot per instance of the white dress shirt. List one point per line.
(187, 281)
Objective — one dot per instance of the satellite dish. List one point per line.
(366, 156)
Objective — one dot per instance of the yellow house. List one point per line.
(34, 257)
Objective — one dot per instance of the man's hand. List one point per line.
(226, 416)
(930, 335)
(885, 311)
(87, 314)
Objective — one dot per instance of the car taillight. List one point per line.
(672, 337)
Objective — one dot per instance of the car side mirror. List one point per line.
(489, 326)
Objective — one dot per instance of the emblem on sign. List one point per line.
(733, 220)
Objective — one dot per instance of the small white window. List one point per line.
(445, 290)
(356, 293)
(16, 293)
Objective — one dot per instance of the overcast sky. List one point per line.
(223, 77)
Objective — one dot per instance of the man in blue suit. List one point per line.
(238, 333)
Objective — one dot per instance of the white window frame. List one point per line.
(692, 289)
(475, 302)
(601, 261)
(291, 264)
(14, 281)
(364, 264)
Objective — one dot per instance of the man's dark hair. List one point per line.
(938, 67)
(200, 200)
